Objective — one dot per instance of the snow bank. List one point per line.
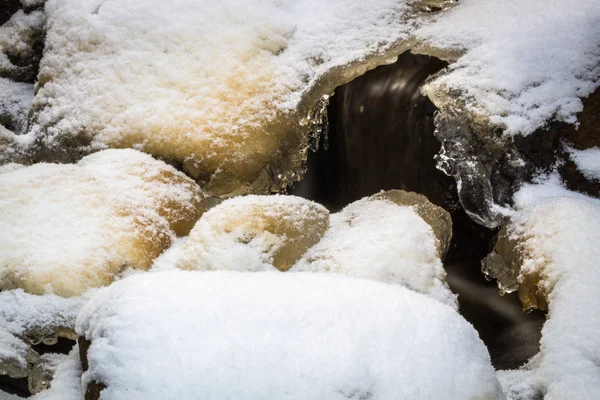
(557, 234)
(228, 335)
(67, 228)
(254, 233)
(15, 101)
(212, 85)
(524, 62)
(381, 240)
(587, 161)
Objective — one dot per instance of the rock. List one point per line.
(438, 219)
(254, 233)
(67, 228)
(386, 237)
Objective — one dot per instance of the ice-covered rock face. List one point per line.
(67, 228)
(387, 237)
(254, 233)
(273, 335)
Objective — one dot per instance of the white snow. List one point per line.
(15, 101)
(560, 232)
(66, 384)
(587, 161)
(17, 38)
(383, 241)
(231, 335)
(525, 61)
(206, 83)
(21, 313)
(254, 233)
(67, 228)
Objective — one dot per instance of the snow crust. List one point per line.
(587, 161)
(524, 62)
(228, 335)
(254, 233)
(383, 241)
(67, 228)
(559, 234)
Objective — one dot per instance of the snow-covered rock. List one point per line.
(66, 228)
(380, 239)
(254, 233)
(230, 335)
(555, 235)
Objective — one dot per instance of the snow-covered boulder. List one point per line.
(230, 335)
(254, 233)
(378, 238)
(220, 88)
(66, 228)
(550, 253)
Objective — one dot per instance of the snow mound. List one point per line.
(587, 161)
(228, 335)
(254, 233)
(381, 240)
(67, 228)
(218, 87)
(524, 62)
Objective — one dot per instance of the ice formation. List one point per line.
(221, 92)
(66, 384)
(254, 233)
(273, 335)
(379, 239)
(555, 237)
(67, 228)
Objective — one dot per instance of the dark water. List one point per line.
(381, 137)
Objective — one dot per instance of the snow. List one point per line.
(67, 228)
(559, 234)
(587, 161)
(15, 101)
(231, 335)
(8, 396)
(66, 384)
(383, 241)
(524, 62)
(207, 84)
(254, 233)
(17, 38)
(22, 314)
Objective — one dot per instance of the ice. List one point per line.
(587, 161)
(219, 88)
(254, 233)
(67, 228)
(556, 249)
(273, 335)
(524, 63)
(378, 239)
